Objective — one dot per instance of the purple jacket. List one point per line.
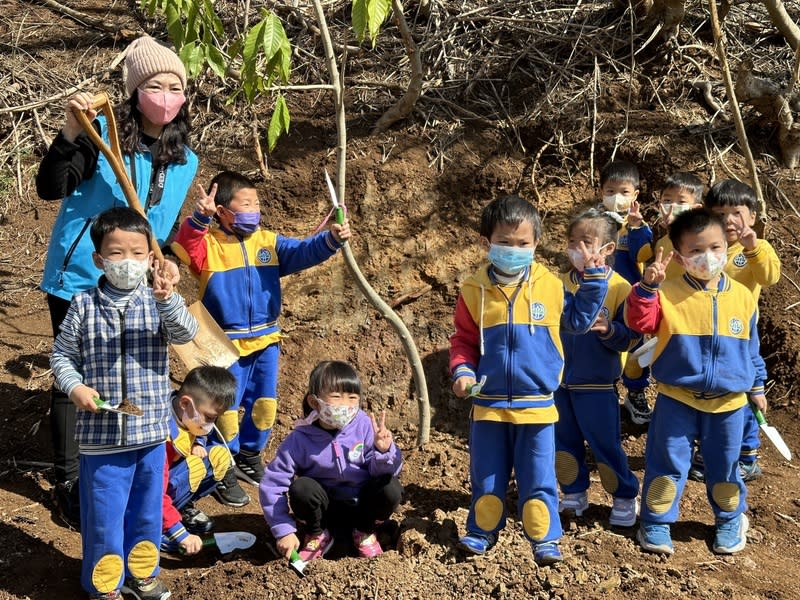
(342, 460)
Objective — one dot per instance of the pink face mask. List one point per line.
(160, 107)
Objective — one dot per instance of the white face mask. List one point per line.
(705, 266)
(676, 208)
(127, 273)
(617, 202)
(576, 256)
(335, 417)
(196, 425)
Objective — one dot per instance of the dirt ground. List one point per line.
(414, 206)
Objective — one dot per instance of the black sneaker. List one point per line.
(148, 588)
(636, 403)
(249, 467)
(195, 520)
(67, 500)
(229, 492)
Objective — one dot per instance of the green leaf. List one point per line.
(192, 56)
(216, 60)
(251, 42)
(272, 36)
(360, 19)
(174, 25)
(211, 18)
(279, 123)
(377, 10)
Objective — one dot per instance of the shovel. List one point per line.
(229, 541)
(128, 409)
(297, 564)
(337, 208)
(210, 346)
(772, 434)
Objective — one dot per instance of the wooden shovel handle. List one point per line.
(113, 154)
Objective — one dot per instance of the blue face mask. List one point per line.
(245, 223)
(510, 259)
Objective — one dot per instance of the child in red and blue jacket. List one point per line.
(508, 322)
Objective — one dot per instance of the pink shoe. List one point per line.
(366, 544)
(316, 546)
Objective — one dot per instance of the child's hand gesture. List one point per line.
(162, 282)
(286, 544)
(205, 202)
(383, 437)
(666, 215)
(747, 236)
(83, 397)
(341, 233)
(656, 272)
(462, 386)
(199, 451)
(591, 259)
(635, 218)
(191, 544)
(600, 324)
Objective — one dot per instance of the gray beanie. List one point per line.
(145, 58)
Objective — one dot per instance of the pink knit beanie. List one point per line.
(145, 58)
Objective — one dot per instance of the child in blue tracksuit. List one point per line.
(707, 365)
(588, 408)
(113, 347)
(239, 266)
(507, 330)
(335, 473)
(193, 468)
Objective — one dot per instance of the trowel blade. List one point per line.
(234, 540)
(777, 441)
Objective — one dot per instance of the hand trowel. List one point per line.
(772, 434)
(229, 541)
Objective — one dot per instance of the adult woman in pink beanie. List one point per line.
(154, 133)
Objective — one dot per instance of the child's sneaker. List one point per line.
(731, 535)
(577, 502)
(316, 546)
(229, 492)
(636, 403)
(115, 595)
(655, 537)
(546, 553)
(148, 588)
(477, 543)
(366, 544)
(249, 467)
(195, 520)
(623, 512)
(749, 471)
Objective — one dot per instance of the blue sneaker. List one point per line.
(478, 543)
(749, 471)
(730, 536)
(655, 537)
(546, 553)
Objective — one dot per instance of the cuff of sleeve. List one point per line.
(168, 303)
(282, 530)
(330, 240)
(463, 371)
(646, 290)
(752, 253)
(609, 334)
(757, 388)
(200, 221)
(177, 533)
(594, 273)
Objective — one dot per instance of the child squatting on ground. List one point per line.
(194, 468)
(239, 266)
(707, 365)
(335, 474)
(587, 403)
(508, 321)
(113, 347)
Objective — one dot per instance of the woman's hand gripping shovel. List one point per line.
(210, 346)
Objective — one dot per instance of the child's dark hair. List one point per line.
(119, 217)
(692, 221)
(209, 384)
(331, 376)
(685, 181)
(510, 210)
(605, 225)
(620, 170)
(730, 192)
(228, 183)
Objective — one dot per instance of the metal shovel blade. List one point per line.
(234, 540)
(777, 441)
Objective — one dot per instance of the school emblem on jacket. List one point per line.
(537, 311)
(736, 326)
(356, 452)
(740, 260)
(263, 255)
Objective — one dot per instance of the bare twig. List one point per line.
(84, 19)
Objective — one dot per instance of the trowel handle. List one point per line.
(758, 414)
(209, 541)
(339, 215)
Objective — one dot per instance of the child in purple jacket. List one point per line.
(338, 468)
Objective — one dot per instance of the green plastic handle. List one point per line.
(339, 215)
(759, 416)
(294, 556)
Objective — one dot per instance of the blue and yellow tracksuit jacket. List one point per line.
(633, 246)
(754, 269)
(592, 361)
(707, 355)
(511, 334)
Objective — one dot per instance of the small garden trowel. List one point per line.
(229, 541)
(772, 434)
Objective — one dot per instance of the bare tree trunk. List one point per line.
(783, 23)
(405, 105)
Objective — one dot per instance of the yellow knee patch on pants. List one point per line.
(143, 559)
(535, 519)
(566, 468)
(608, 478)
(661, 494)
(197, 471)
(228, 424)
(220, 460)
(264, 411)
(488, 511)
(726, 495)
(107, 573)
